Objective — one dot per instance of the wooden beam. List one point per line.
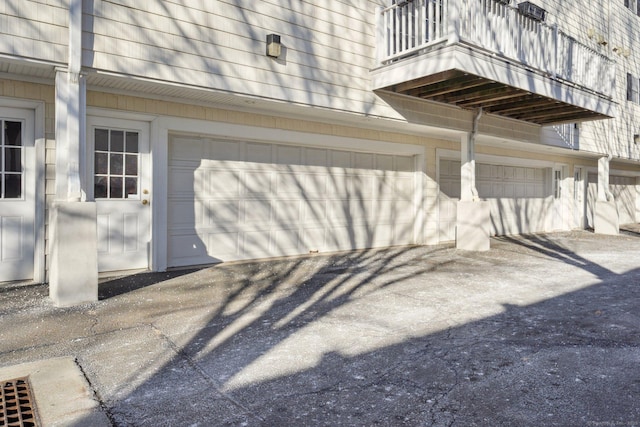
(518, 105)
(448, 86)
(481, 98)
(426, 81)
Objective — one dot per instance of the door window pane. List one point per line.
(100, 187)
(130, 186)
(115, 164)
(12, 159)
(116, 173)
(12, 186)
(117, 141)
(102, 140)
(11, 154)
(102, 163)
(115, 185)
(131, 167)
(132, 142)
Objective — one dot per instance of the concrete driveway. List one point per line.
(540, 330)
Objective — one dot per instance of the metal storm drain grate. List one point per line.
(17, 407)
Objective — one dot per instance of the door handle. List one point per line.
(145, 202)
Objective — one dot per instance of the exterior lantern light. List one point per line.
(274, 47)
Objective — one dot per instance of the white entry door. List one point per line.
(17, 194)
(120, 180)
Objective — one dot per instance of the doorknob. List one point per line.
(145, 202)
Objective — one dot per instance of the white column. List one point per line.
(467, 168)
(606, 219)
(73, 273)
(603, 179)
(473, 215)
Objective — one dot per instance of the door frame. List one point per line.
(162, 127)
(119, 119)
(37, 124)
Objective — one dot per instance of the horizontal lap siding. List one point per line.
(35, 29)
(329, 47)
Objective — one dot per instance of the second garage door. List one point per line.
(231, 200)
(517, 197)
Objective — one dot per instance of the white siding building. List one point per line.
(165, 133)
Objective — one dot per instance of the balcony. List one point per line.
(485, 54)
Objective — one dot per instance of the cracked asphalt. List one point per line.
(541, 330)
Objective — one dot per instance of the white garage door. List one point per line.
(623, 189)
(516, 196)
(232, 200)
(624, 192)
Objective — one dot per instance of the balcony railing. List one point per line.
(406, 28)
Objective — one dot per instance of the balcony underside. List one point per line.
(460, 76)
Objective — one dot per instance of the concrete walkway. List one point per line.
(541, 330)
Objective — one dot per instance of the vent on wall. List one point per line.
(532, 11)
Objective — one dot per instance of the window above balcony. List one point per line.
(485, 53)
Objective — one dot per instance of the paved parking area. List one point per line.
(540, 330)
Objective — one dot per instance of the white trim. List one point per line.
(163, 126)
(159, 150)
(38, 109)
(275, 135)
(119, 114)
(498, 160)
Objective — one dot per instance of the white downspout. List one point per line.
(472, 151)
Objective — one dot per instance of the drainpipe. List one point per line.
(75, 129)
(472, 151)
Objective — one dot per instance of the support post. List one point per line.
(606, 219)
(73, 274)
(473, 214)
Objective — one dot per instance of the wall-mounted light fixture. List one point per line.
(274, 47)
(622, 51)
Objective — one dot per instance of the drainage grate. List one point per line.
(17, 408)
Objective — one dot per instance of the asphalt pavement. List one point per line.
(542, 330)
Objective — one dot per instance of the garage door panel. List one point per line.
(316, 157)
(384, 163)
(258, 152)
(224, 213)
(381, 235)
(284, 200)
(221, 150)
(338, 211)
(257, 244)
(315, 185)
(314, 211)
(257, 212)
(313, 239)
(286, 241)
(405, 164)
(255, 182)
(338, 185)
(287, 211)
(288, 155)
(340, 159)
(181, 181)
(186, 149)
